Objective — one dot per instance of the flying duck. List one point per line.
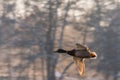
(79, 55)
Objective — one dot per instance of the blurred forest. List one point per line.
(30, 30)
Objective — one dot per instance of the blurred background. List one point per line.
(30, 30)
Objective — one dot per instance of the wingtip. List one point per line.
(81, 74)
(80, 65)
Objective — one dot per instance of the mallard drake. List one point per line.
(79, 55)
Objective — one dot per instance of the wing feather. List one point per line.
(80, 47)
(80, 65)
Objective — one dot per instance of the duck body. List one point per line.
(78, 53)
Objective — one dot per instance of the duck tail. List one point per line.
(93, 55)
(61, 51)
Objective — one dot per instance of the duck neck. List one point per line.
(71, 52)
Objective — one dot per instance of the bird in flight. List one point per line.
(79, 55)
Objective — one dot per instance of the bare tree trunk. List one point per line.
(42, 67)
(9, 66)
(64, 24)
(50, 38)
(34, 70)
(85, 35)
(51, 62)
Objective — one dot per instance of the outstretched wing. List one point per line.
(80, 65)
(81, 47)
